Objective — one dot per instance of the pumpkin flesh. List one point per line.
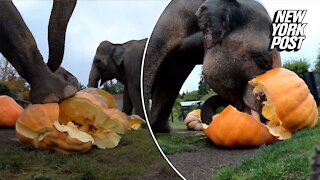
(90, 114)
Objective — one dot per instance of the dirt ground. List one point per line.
(203, 163)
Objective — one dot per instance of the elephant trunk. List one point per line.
(60, 15)
(94, 77)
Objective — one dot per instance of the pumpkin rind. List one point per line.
(289, 106)
(232, 128)
(9, 111)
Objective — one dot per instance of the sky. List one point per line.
(92, 22)
(119, 21)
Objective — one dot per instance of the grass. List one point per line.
(177, 143)
(136, 157)
(177, 125)
(290, 159)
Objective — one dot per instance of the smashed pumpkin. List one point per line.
(232, 128)
(9, 111)
(288, 107)
(88, 112)
(75, 124)
(35, 126)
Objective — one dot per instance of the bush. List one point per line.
(5, 90)
(299, 66)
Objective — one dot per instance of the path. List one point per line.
(203, 163)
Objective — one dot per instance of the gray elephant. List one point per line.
(229, 37)
(18, 46)
(123, 62)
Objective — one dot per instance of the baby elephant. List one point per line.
(123, 62)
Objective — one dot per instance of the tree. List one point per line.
(298, 65)
(317, 65)
(10, 78)
(191, 96)
(203, 86)
(113, 88)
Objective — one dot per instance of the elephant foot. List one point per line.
(50, 89)
(161, 128)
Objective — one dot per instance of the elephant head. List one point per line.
(237, 37)
(106, 63)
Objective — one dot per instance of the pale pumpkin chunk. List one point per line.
(73, 131)
(193, 120)
(289, 106)
(135, 122)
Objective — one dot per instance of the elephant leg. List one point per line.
(209, 107)
(59, 18)
(135, 95)
(19, 48)
(127, 104)
(163, 98)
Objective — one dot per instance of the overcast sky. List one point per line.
(120, 21)
(92, 22)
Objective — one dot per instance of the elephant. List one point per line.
(123, 62)
(65, 75)
(18, 46)
(229, 37)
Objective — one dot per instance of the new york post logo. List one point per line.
(288, 30)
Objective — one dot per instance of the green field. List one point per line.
(136, 157)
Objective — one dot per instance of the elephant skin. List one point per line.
(18, 46)
(122, 62)
(65, 75)
(229, 37)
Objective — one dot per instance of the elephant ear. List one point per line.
(118, 55)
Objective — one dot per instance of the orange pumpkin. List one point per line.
(232, 128)
(9, 111)
(74, 125)
(289, 106)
